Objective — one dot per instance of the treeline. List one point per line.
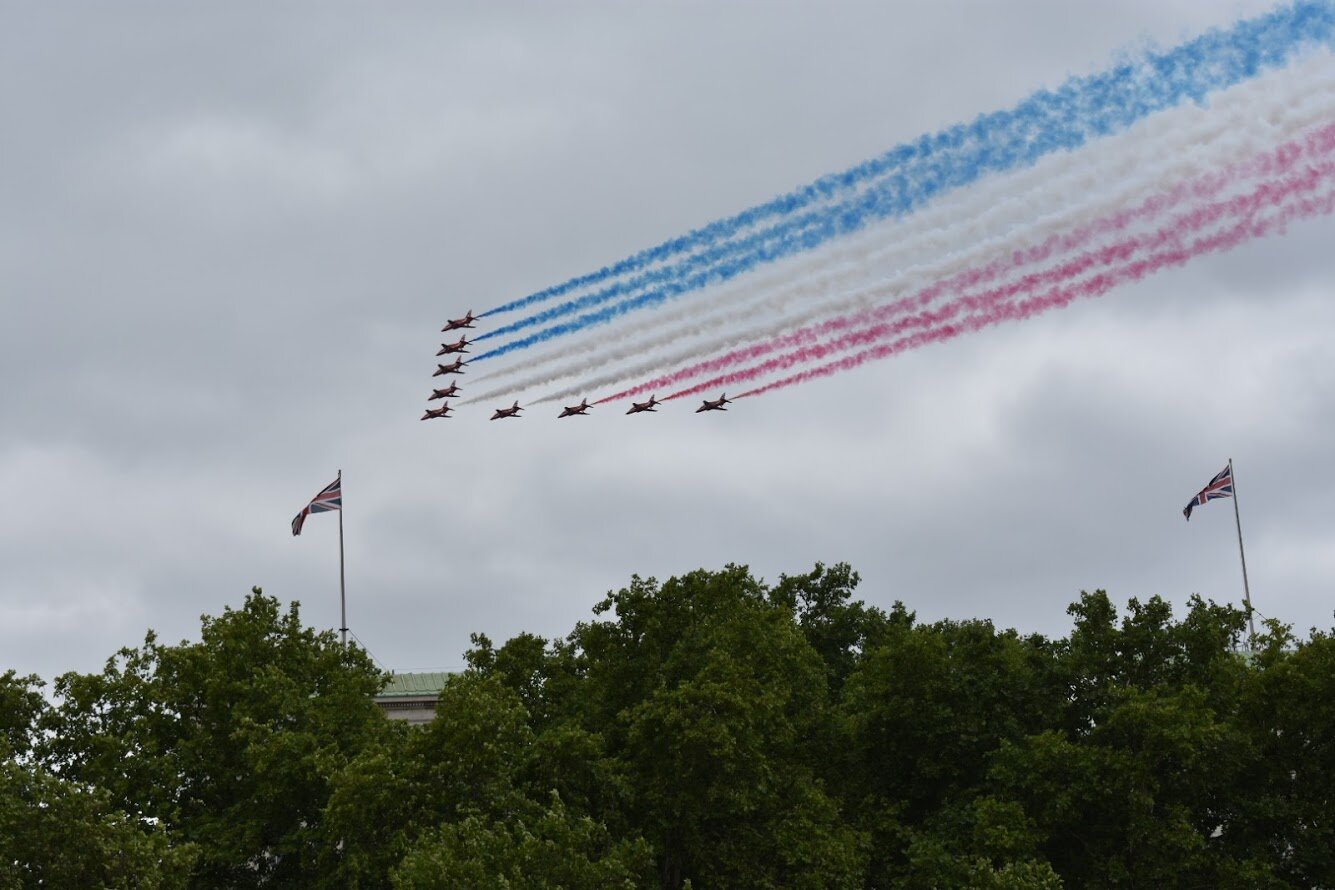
(711, 731)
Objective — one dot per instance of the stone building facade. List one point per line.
(411, 696)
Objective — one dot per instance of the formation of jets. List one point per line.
(582, 409)
(459, 348)
(454, 367)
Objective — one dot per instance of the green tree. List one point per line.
(712, 697)
(1286, 798)
(712, 731)
(1148, 650)
(373, 813)
(230, 742)
(465, 763)
(551, 848)
(1136, 783)
(922, 714)
(986, 844)
(57, 834)
(22, 709)
(566, 757)
(838, 627)
(543, 675)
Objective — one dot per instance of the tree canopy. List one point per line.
(711, 730)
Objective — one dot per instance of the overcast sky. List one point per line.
(229, 234)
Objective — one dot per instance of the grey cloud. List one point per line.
(229, 236)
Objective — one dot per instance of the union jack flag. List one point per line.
(1221, 486)
(329, 498)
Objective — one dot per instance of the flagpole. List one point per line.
(342, 582)
(1246, 590)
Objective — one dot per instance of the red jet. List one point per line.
(455, 323)
(437, 412)
(715, 405)
(651, 405)
(582, 409)
(445, 393)
(454, 367)
(453, 347)
(507, 412)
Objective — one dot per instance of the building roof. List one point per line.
(415, 684)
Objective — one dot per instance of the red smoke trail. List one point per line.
(1097, 285)
(1267, 195)
(1277, 161)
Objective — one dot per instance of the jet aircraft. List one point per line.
(512, 411)
(445, 393)
(454, 367)
(582, 409)
(453, 347)
(442, 411)
(456, 323)
(715, 405)
(651, 405)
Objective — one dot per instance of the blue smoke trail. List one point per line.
(1081, 109)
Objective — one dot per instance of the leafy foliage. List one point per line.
(710, 731)
(551, 849)
(56, 834)
(230, 741)
(21, 709)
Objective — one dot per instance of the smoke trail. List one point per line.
(1057, 297)
(1284, 195)
(1268, 195)
(1082, 109)
(1250, 104)
(1317, 144)
(1008, 256)
(1161, 149)
(1278, 28)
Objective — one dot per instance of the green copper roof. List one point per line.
(415, 684)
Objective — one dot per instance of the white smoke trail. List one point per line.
(824, 290)
(1160, 150)
(1296, 200)
(828, 291)
(852, 259)
(1288, 165)
(1244, 103)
